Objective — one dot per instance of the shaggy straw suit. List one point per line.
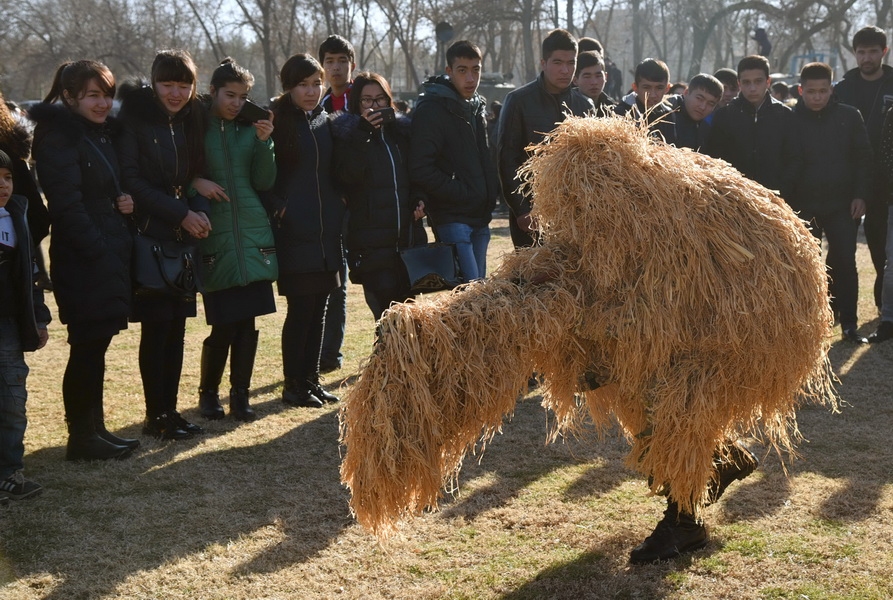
(694, 296)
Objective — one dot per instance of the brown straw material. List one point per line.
(694, 296)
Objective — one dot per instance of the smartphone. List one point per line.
(253, 113)
(387, 114)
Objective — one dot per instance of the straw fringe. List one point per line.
(693, 295)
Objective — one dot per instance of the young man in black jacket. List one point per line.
(23, 328)
(529, 113)
(869, 87)
(450, 158)
(692, 108)
(647, 102)
(755, 132)
(591, 78)
(831, 189)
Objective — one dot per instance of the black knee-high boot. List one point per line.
(241, 367)
(213, 364)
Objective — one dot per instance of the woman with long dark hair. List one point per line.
(239, 256)
(308, 213)
(371, 158)
(91, 243)
(162, 151)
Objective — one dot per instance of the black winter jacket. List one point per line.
(308, 236)
(836, 158)
(90, 244)
(846, 92)
(528, 114)
(16, 142)
(155, 163)
(761, 143)
(450, 160)
(32, 311)
(371, 167)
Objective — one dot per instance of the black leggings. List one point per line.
(223, 336)
(302, 336)
(161, 361)
(84, 377)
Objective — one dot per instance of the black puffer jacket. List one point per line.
(371, 167)
(31, 310)
(156, 161)
(450, 160)
(528, 114)
(761, 143)
(837, 158)
(16, 142)
(90, 244)
(308, 236)
(688, 133)
(660, 119)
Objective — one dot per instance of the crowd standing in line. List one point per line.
(281, 195)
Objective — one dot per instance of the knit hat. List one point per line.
(5, 161)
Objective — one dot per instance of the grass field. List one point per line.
(257, 511)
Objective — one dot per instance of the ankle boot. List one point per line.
(212, 367)
(296, 393)
(101, 431)
(85, 444)
(241, 367)
(675, 534)
(737, 464)
(317, 390)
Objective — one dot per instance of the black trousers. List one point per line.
(84, 378)
(841, 260)
(302, 335)
(161, 362)
(875, 227)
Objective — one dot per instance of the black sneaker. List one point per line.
(164, 428)
(677, 533)
(183, 424)
(16, 487)
(317, 390)
(884, 332)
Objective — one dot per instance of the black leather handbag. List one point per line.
(164, 267)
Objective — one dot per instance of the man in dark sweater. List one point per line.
(529, 113)
(869, 87)
(831, 189)
(755, 132)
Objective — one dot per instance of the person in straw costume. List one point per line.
(670, 293)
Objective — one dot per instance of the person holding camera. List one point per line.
(239, 256)
(371, 164)
(307, 216)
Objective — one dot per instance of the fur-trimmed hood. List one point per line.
(138, 102)
(57, 117)
(17, 140)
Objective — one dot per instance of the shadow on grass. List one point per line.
(171, 500)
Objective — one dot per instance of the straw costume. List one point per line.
(691, 298)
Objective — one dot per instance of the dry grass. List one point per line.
(257, 511)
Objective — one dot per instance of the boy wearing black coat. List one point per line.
(833, 183)
(23, 328)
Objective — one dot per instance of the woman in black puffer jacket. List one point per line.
(371, 158)
(90, 244)
(307, 217)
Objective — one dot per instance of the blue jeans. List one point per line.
(471, 247)
(13, 372)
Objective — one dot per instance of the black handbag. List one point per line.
(159, 267)
(164, 267)
(432, 267)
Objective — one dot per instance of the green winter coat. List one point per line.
(240, 248)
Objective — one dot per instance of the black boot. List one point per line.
(101, 431)
(241, 367)
(675, 534)
(165, 427)
(296, 393)
(213, 365)
(738, 463)
(85, 444)
(317, 390)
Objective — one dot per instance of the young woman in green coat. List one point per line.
(239, 255)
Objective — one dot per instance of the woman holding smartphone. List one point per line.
(162, 151)
(239, 256)
(371, 158)
(90, 246)
(308, 213)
